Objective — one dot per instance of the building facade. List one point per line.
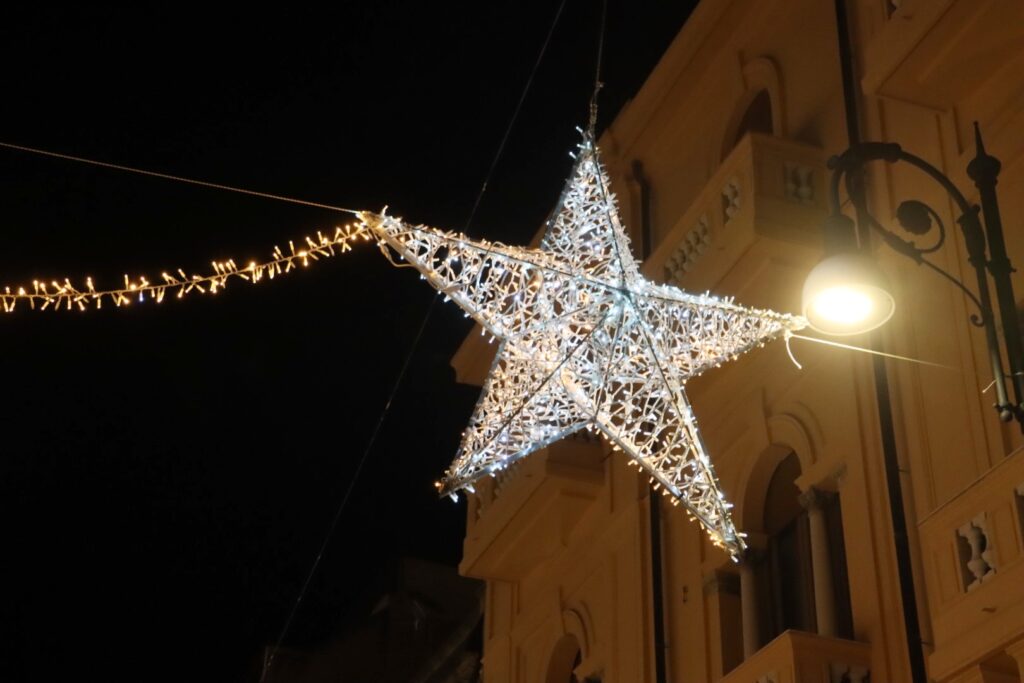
(719, 163)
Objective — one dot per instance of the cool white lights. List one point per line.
(587, 342)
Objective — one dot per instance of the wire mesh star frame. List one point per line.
(586, 342)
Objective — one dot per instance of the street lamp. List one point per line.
(846, 293)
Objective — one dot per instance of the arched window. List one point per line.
(787, 583)
(756, 118)
(785, 575)
(565, 657)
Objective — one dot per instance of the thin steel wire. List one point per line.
(348, 490)
(515, 116)
(861, 349)
(405, 365)
(175, 178)
(592, 124)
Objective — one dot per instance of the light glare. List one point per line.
(843, 305)
(846, 294)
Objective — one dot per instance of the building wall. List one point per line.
(564, 539)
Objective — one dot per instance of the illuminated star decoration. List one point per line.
(586, 342)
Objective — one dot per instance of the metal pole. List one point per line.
(912, 628)
(984, 171)
(657, 589)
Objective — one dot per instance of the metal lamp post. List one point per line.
(831, 293)
(842, 238)
(846, 293)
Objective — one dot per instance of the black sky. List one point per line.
(168, 473)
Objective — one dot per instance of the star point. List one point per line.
(586, 342)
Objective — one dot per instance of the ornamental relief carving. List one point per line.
(974, 548)
(690, 249)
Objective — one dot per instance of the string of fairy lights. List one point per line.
(64, 295)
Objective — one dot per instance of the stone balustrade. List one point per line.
(798, 657)
(767, 186)
(973, 556)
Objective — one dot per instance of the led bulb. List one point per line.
(847, 294)
(843, 305)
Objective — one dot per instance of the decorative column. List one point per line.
(821, 562)
(721, 600)
(748, 606)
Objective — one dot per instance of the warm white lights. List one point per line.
(847, 294)
(587, 342)
(62, 294)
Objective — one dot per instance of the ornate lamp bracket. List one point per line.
(918, 218)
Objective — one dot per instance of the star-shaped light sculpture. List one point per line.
(586, 342)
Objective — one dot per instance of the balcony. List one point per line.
(525, 514)
(767, 186)
(973, 558)
(798, 657)
(931, 52)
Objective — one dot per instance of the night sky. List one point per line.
(168, 472)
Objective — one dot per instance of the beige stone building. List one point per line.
(719, 164)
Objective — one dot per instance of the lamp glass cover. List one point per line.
(847, 294)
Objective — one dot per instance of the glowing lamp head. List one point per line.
(843, 305)
(847, 294)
